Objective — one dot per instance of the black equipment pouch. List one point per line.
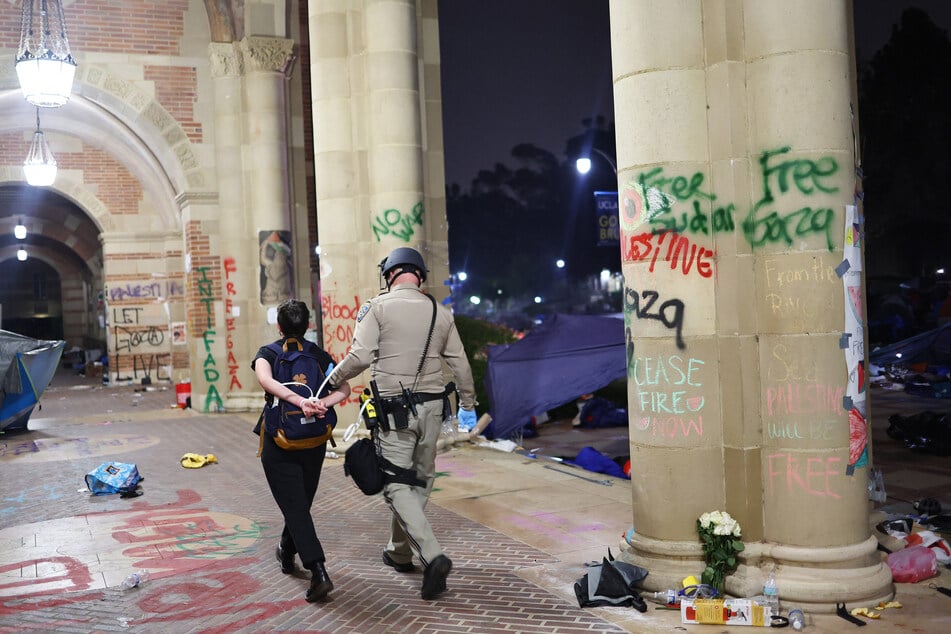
(400, 414)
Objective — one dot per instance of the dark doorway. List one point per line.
(31, 297)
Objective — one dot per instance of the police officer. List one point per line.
(392, 337)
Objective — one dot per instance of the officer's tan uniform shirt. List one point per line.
(389, 338)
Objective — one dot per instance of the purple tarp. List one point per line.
(558, 361)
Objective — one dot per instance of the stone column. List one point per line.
(369, 154)
(239, 262)
(265, 163)
(742, 275)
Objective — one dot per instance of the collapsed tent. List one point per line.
(558, 361)
(26, 368)
(932, 347)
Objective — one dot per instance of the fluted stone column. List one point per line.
(370, 156)
(241, 320)
(742, 277)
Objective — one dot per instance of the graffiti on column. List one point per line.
(338, 318)
(656, 199)
(140, 344)
(668, 224)
(230, 268)
(765, 224)
(213, 402)
(276, 266)
(680, 252)
(669, 394)
(795, 471)
(150, 290)
(395, 223)
(646, 306)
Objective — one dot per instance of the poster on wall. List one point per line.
(178, 333)
(853, 344)
(276, 266)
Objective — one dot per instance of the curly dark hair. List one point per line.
(293, 317)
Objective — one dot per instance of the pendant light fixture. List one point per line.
(44, 64)
(39, 166)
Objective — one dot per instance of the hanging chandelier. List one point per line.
(39, 166)
(44, 64)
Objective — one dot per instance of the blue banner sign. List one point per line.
(606, 209)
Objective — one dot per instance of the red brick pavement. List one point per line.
(206, 577)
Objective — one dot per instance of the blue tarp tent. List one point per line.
(558, 361)
(26, 368)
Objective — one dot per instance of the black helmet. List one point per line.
(408, 258)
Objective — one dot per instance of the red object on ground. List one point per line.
(183, 392)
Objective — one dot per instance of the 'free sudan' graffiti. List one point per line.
(655, 198)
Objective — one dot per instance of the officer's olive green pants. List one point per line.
(413, 448)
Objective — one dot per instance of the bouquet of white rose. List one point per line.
(719, 535)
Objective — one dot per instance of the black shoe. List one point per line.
(407, 567)
(434, 577)
(287, 560)
(320, 584)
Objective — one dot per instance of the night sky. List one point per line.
(531, 70)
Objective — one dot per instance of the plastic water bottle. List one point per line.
(135, 579)
(797, 619)
(771, 592)
(664, 597)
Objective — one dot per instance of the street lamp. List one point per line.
(583, 164)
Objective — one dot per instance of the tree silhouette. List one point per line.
(904, 105)
(505, 230)
(512, 224)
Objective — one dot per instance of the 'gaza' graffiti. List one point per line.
(670, 313)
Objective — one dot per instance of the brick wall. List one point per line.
(176, 88)
(142, 27)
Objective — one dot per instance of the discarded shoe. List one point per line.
(434, 577)
(287, 560)
(398, 567)
(320, 584)
(197, 461)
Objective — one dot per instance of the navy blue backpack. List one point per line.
(298, 367)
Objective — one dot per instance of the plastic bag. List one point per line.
(114, 477)
(912, 564)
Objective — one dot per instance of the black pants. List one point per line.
(293, 477)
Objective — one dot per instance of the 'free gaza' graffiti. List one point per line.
(654, 198)
(808, 177)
